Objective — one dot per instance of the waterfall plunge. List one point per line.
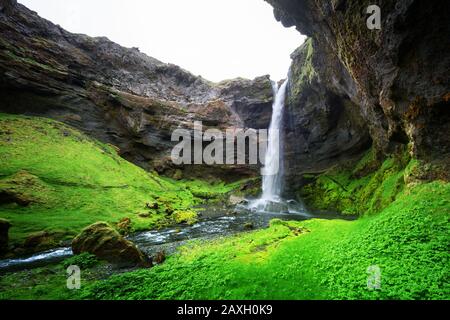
(272, 181)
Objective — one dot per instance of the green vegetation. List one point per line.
(319, 259)
(84, 260)
(366, 188)
(55, 179)
(303, 70)
(61, 181)
(315, 259)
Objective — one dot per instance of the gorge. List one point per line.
(85, 148)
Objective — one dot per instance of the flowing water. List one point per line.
(215, 223)
(272, 179)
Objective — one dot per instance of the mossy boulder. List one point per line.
(103, 241)
(21, 188)
(4, 228)
(185, 216)
(39, 241)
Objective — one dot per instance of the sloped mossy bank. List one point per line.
(358, 188)
(54, 181)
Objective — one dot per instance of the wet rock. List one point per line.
(249, 226)
(322, 125)
(4, 229)
(396, 78)
(39, 241)
(273, 206)
(160, 257)
(107, 244)
(235, 200)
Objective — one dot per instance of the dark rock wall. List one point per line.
(322, 126)
(398, 75)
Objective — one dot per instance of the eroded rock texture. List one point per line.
(395, 79)
(118, 95)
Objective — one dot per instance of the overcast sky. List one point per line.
(217, 39)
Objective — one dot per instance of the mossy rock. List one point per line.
(41, 240)
(103, 241)
(185, 216)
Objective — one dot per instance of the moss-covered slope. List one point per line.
(57, 180)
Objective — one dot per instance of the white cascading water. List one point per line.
(271, 200)
(271, 183)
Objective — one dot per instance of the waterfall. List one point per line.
(271, 201)
(272, 180)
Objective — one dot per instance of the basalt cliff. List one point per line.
(351, 86)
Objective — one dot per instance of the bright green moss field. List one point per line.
(70, 181)
(315, 259)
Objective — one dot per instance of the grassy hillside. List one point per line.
(56, 179)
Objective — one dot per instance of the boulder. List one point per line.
(235, 200)
(160, 257)
(39, 241)
(124, 226)
(4, 228)
(107, 244)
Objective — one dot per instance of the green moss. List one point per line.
(84, 260)
(315, 259)
(323, 259)
(71, 181)
(302, 72)
(187, 216)
(34, 63)
(366, 187)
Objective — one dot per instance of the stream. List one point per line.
(214, 222)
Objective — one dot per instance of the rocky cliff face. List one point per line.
(322, 125)
(118, 95)
(396, 77)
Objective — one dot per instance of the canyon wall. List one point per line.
(350, 87)
(394, 81)
(118, 95)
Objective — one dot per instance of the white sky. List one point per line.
(217, 39)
